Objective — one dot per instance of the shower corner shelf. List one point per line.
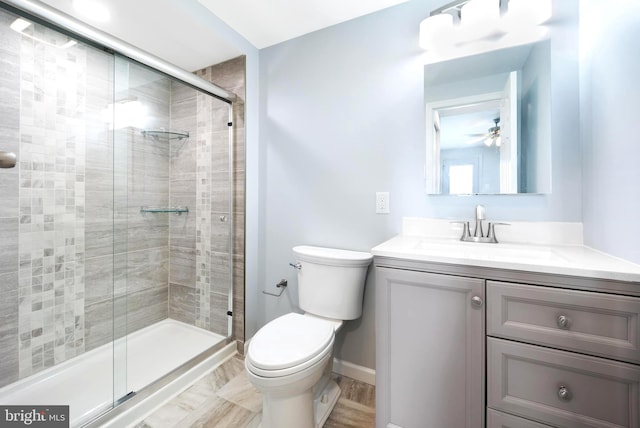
(157, 210)
(164, 133)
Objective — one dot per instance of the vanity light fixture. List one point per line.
(436, 32)
(478, 19)
(468, 22)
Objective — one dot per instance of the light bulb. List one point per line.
(436, 32)
(479, 18)
(479, 12)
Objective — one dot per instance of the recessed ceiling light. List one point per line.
(93, 10)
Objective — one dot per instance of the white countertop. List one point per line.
(574, 260)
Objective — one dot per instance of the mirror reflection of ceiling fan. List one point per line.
(492, 136)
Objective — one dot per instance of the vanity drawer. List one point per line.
(594, 323)
(560, 388)
(497, 419)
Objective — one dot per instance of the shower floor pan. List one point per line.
(86, 383)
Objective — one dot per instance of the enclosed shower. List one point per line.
(116, 256)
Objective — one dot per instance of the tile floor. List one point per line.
(224, 398)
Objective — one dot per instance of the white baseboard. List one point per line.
(354, 371)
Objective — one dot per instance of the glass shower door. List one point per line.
(59, 266)
(173, 223)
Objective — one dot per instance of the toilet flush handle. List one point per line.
(296, 265)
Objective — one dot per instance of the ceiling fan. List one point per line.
(490, 137)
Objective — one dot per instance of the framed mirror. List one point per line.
(488, 122)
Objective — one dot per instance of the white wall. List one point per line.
(341, 117)
(610, 93)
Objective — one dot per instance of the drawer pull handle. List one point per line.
(563, 322)
(563, 393)
(476, 301)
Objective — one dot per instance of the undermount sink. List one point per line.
(507, 252)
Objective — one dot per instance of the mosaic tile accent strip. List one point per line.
(203, 212)
(231, 76)
(51, 198)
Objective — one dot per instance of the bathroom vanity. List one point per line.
(505, 335)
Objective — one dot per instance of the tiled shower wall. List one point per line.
(127, 266)
(9, 208)
(196, 295)
(231, 75)
(57, 111)
(67, 257)
(166, 265)
(199, 265)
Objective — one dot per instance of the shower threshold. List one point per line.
(87, 383)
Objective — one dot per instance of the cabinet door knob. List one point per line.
(563, 322)
(563, 393)
(476, 301)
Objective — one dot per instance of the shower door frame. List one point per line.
(88, 34)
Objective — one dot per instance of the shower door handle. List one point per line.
(7, 159)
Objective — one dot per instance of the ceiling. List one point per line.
(268, 22)
(168, 29)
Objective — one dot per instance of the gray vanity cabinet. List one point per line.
(562, 389)
(504, 420)
(430, 350)
(560, 357)
(606, 325)
(560, 351)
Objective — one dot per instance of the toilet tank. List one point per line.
(331, 281)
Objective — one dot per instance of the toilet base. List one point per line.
(323, 403)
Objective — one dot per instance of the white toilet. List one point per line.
(290, 359)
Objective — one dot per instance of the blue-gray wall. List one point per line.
(341, 117)
(610, 95)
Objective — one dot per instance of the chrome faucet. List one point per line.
(478, 233)
(480, 215)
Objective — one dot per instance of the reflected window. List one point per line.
(461, 179)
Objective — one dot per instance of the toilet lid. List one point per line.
(288, 341)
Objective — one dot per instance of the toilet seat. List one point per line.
(289, 344)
